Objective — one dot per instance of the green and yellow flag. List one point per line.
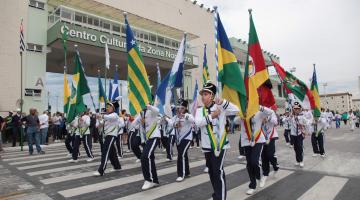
(66, 93)
(229, 73)
(102, 95)
(205, 72)
(138, 81)
(79, 87)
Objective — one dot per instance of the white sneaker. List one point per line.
(198, 147)
(72, 161)
(127, 151)
(164, 150)
(287, 144)
(241, 157)
(147, 185)
(90, 160)
(297, 164)
(291, 146)
(69, 155)
(262, 181)
(96, 173)
(250, 191)
(137, 160)
(206, 170)
(323, 155)
(191, 147)
(301, 164)
(120, 157)
(168, 160)
(314, 155)
(179, 179)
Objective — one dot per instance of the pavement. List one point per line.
(50, 176)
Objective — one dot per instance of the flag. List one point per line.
(115, 87)
(295, 88)
(315, 92)
(65, 38)
(229, 73)
(157, 99)
(66, 93)
(22, 42)
(138, 81)
(266, 97)
(102, 95)
(194, 104)
(161, 92)
(107, 57)
(175, 77)
(205, 72)
(79, 87)
(255, 71)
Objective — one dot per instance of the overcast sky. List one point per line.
(303, 32)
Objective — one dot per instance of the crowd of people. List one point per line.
(208, 128)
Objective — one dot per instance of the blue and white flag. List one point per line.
(115, 87)
(175, 76)
(158, 102)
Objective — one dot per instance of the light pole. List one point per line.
(324, 85)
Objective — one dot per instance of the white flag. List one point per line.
(107, 57)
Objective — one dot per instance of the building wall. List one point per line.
(340, 103)
(11, 12)
(356, 104)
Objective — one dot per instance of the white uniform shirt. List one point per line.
(256, 123)
(184, 132)
(218, 124)
(320, 126)
(121, 125)
(110, 123)
(151, 123)
(83, 125)
(299, 125)
(286, 121)
(268, 127)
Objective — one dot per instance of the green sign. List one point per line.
(98, 38)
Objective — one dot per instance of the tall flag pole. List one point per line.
(66, 92)
(176, 76)
(233, 88)
(115, 88)
(79, 88)
(315, 92)
(216, 23)
(229, 75)
(107, 66)
(194, 104)
(157, 98)
(255, 75)
(205, 72)
(22, 49)
(138, 81)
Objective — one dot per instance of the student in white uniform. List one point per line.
(119, 141)
(299, 127)
(268, 154)
(318, 127)
(149, 133)
(352, 120)
(110, 122)
(182, 123)
(211, 119)
(253, 143)
(287, 127)
(82, 134)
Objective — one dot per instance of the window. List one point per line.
(167, 42)
(96, 22)
(160, 40)
(116, 28)
(153, 37)
(34, 47)
(78, 17)
(106, 25)
(65, 13)
(36, 4)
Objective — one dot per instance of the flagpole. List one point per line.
(21, 99)
(77, 51)
(216, 50)
(99, 88)
(183, 71)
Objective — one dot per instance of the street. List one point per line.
(50, 176)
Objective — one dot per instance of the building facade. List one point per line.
(337, 102)
(356, 104)
(158, 26)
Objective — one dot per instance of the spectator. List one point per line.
(2, 125)
(56, 121)
(16, 126)
(44, 126)
(8, 127)
(33, 131)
